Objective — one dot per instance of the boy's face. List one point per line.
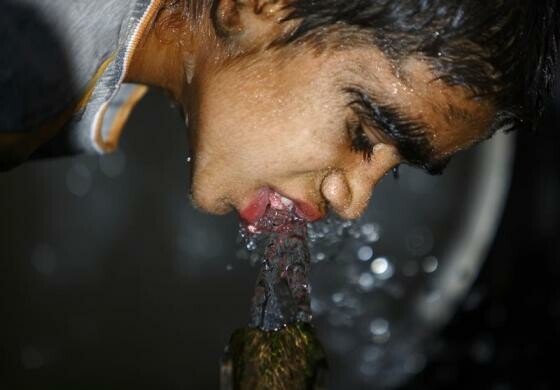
(313, 127)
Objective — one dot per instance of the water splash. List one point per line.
(279, 243)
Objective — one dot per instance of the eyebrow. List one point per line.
(409, 135)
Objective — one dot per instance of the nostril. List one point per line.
(336, 191)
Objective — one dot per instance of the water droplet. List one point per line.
(379, 265)
(379, 328)
(251, 245)
(430, 264)
(366, 281)
(365, 253)
(382, 268)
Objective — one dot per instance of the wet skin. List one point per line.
(306, 123)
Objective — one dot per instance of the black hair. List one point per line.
(506, 51)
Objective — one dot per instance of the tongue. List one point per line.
(279, 215)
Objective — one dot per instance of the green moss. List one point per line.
(291, 358)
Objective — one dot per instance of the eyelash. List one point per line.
(359, 141)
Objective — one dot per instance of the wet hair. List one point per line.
(505, 51)
(502, 50)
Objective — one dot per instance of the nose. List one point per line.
(349, 188)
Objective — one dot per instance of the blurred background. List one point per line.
(110, 279)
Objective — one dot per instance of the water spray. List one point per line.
(278, 349)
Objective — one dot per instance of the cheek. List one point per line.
(266, 126)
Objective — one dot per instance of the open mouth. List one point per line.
(267, 197)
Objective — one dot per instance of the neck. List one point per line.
(165, 56)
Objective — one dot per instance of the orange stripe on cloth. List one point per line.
(110, 142)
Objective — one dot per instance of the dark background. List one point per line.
(92, 298)
(100, 287)
(103, 282)
(507, 336)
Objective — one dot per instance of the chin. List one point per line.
(210, 203)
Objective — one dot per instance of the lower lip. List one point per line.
(256, 209)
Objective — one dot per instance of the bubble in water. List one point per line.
(365, 253)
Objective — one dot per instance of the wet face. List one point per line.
(319, 128)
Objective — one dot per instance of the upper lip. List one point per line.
(257, 207)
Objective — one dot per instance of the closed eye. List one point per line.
(359, 141)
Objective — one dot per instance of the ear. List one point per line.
(251, 22)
